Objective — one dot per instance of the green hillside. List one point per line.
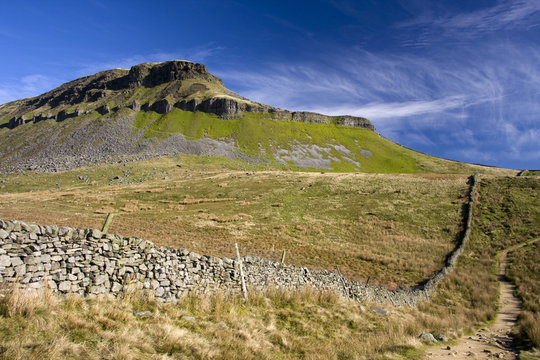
(343, 148)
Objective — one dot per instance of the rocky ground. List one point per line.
(94, 143)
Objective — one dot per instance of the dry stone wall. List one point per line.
(89, 262)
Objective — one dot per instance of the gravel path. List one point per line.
(496, 341)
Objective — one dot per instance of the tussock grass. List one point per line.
(274, 324)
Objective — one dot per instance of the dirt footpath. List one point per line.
(494, 342)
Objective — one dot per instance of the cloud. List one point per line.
(502, 15)
(505, 15)
(199, 54)
(483, 99)
(27, 86)
(393, 110)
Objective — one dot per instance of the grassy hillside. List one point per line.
(280, 144)
(507, 213)
(337, 148)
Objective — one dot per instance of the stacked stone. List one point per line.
(88, 262)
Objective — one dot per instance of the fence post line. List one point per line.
(244, 289)
(107, 223)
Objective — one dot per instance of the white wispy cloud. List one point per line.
(482, 99)
(199, 54)
(27, 86)
(505, 15)
(394, 110)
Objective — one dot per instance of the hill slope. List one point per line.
(178, 107)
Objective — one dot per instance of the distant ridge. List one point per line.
(178, 84)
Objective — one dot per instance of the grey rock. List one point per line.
(51, 284)
(135, 106)
(379, 310)
(35, 285)
(30, 260)
(95, 233)
(5, 260)
(162, 106)
(427, 337)
(3, 234)
(442, 338)
(20, 270)
(143, 314)
(101, 279)
(116, 287)
(97, 289)
(160, 291)
(64, 286)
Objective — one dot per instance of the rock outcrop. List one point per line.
(164, 88)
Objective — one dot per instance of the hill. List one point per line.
(178, 107)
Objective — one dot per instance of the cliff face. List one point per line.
(151, 87)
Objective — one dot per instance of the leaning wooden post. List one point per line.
(342, 280)
(107, 223)
(283, 256)
(244, 289)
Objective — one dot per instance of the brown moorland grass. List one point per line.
(276, 324)
(394, 229)
(281, 324)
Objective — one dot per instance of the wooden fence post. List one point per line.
(244, 289)
(283, 256)
(342, 280)
(107, 223)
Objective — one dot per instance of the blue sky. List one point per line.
(456, 79)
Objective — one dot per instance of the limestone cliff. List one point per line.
(155, 87)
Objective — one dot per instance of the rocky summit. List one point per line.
(155, 109)
(178, 107)
(158, 87)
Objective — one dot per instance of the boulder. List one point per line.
(223, 107)
(161, 106)
(427, 337)
(135, 106)
(104, 109)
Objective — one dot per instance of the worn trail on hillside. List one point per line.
(496, 341)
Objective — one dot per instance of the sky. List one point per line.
(457, 79)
